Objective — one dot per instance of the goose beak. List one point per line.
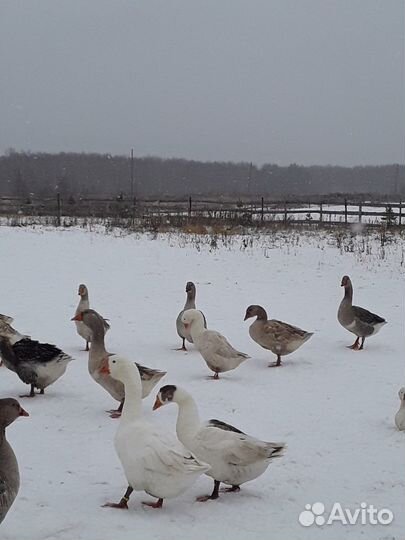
(157, 404)
(105, 367)
(23, 412)
(246, 317)
(78, 317)
(186, 325)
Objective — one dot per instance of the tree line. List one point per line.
(104, 175)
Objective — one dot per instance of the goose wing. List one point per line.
(215, 343)
(29, 350)
(367, 316)
(234, 446)
(278, 330)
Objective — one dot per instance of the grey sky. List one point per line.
(306, 81)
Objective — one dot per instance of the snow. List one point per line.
(333, 407)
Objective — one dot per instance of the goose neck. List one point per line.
(196, 328)
(348, 293)
(188, 420)
(132, 409)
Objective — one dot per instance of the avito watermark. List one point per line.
(365, 514)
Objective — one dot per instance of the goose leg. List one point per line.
(123, 502)
(87, 346)
(116, 413)
(355, 346)
(363, 339)
(183, 347)
(233, 489)
(214, 495)
(31, 394)
(157, 504)
(42, 392)
(276, 364)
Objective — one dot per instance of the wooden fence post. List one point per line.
(285, 212)
(59, 210)
(262, 214)
(400, 214)
(360, 212)
(346, 211)
(320, 212)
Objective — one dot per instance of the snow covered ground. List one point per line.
(332, 406)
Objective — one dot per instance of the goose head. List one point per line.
(83, 292)
(192, 317)
(255, 311)
(346, 282)
(401, 393)
(190, 288)
(167, 394)
(10, 409)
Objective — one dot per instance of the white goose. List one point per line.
(216, 350)
(400, 416)
(235, 457)
(153, 460)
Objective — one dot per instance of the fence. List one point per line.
(176, 212)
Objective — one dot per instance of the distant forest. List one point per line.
(104, 175)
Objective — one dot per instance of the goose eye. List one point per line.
(114, 362)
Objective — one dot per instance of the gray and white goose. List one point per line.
(84, 303)
(218, 353)
(234, 457)
(149, 377)
(190, 304)
(357, 320)
(37, 364)
(279, 337)
(10, 410)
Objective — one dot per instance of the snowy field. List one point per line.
(333, 407)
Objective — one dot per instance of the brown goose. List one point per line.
(277, 336)
(357, 320)
(190, 304)
(84, 303)
(98, 353)
(10, 410)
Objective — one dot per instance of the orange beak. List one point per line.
(78, 317)
(157, 404)
(23, 412)
(105, 367)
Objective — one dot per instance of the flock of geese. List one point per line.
(155, 461)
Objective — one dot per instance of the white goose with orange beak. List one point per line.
(153, 460)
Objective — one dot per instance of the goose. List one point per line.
(10, 410)
(400, 416)
(150, 377)
(234, 457)
(37, 364)
(84, 304)
(190, 304)
(357, 320)
(216, 350)
(153, 460)
(277, 336)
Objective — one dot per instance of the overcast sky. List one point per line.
(306, 81)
